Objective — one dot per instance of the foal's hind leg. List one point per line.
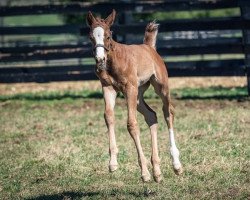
(151, 120)
(161, 88)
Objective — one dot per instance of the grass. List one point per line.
(33, 20)
(203, 57)
(183, 93)
(37, 20)
(196, 14)
(57, 148)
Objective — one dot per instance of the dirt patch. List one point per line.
(202, 105)
(191, 82)
(200, 82)
(16, 88)
(231, 193)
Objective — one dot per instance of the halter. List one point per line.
(100, 45)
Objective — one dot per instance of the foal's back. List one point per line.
(140, 60)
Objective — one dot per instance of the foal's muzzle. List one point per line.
(100, 61)
(101, 64)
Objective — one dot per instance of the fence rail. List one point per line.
(78, 52)
(86, 72)
(11, 53)
(233, 23)
(121, 7)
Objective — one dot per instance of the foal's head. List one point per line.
(100, 36)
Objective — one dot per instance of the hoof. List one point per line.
(158, 178)
(112, 168)
(178, 170)
(146, 177)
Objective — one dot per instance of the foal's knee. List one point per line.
(132, 127)
(155, 160)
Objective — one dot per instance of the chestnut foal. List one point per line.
(130, 69)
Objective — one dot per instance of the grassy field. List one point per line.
(54, 146)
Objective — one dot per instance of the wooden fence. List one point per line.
(12, 53)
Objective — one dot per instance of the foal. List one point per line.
(131, 69)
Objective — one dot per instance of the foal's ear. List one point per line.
(90, 19)
(111, 18)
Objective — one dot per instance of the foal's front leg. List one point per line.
(109, 97)
(131, 97)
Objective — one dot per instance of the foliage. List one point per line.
(33, 20)
(187, 14)
(79, 18)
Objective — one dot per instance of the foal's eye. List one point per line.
(91, 37)
(108, 37)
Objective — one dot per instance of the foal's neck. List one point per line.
(114, 49)
(111, 52)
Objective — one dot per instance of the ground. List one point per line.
(54, 145)
(175, 83)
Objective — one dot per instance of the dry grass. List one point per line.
(175, 83)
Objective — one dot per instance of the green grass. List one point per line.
(57, 148)
(183, 93)
(211, 92)
(33, 20)
(203, 57)
(37, 20)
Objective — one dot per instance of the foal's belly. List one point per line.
(142, 80)
(144, 74)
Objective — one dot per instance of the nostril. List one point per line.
(99, 60)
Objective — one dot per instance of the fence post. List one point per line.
(245, 14)
(126, 19)
(2, 36)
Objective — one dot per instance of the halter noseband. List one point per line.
(100, 45)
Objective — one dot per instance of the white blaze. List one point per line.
(98, 34)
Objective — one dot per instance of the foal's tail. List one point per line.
(150, 34)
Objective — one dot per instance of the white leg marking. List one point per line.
(109, 98)
(98, 34)
(174, 151)
(114, 150)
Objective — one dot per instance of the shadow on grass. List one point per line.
(65, 195)
(51, 96)
(77, 195)
(217, 93)
(216, 97)
(210, 93)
